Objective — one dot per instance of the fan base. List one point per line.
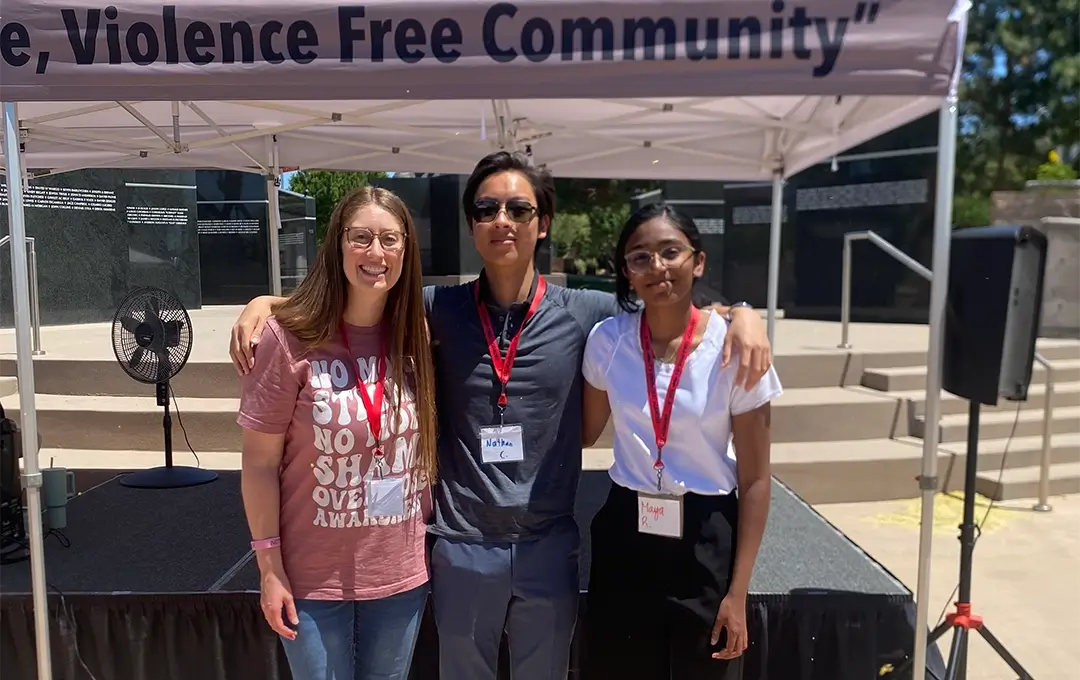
(175, 477)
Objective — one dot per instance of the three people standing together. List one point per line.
(462, 482)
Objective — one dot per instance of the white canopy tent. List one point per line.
(736, 90)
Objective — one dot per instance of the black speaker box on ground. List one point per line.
(992, 312)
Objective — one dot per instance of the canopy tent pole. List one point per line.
(273, 215)
(775, 230)
(939, 289)
(31, 475)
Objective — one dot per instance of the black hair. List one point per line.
(543, 185)
(623, 292)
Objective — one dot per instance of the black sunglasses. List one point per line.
(518, 210)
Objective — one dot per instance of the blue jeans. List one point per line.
(356, 640)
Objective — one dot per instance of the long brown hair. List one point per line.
(313, 311)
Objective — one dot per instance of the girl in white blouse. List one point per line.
(673, 547)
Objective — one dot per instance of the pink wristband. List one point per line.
(266, 543)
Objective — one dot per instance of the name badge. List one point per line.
(385, 497)
(660, 515)
(501, 444)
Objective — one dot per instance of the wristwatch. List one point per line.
(733, 305)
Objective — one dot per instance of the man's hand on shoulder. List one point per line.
(246, 331)
(747, 333)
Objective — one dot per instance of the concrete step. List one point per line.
(100, 377)
(833, 472)
(218, 379)
(886, 469)
(902, 378)
(820, 414)
(1024, 482)
(8, 386)
(1065, 395)
(96, 466)
(1002, 424)
(132, 423)
(810, 415)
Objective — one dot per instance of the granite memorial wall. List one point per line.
(99, 234)
(233, 218)
(885, 185)
(296, 240)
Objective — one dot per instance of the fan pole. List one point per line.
(166, 421)
(168, 476)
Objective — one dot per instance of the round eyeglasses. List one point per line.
(641, 261)
(391, 241)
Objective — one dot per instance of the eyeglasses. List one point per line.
(640, 261)
(391, 241)
(517, 210)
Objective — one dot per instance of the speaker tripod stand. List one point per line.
(962, 622)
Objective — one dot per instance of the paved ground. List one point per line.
(1026, 581)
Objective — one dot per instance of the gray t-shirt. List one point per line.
(509, 502)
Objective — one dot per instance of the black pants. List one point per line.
(652, 600)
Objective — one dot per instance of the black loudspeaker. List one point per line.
(992, 312)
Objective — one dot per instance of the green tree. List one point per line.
(1057, 22)
(594, 210)
(1019, 93)
(327, 187)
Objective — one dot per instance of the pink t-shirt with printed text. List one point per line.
(330, 548)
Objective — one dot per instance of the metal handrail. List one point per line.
(35, 306)
(845, 320)
(845, 291)
(1044, 458)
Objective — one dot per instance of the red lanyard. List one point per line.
(503, 366)
(372, 405)
(662, 421)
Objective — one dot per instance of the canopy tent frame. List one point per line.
(783, 134)
(779, 155)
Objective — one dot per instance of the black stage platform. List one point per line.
(158, 585)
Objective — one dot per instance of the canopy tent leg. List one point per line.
(273, 216)
(939, 288)
(777, 214)
(20, 283)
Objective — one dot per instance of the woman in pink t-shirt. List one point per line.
(339, 450)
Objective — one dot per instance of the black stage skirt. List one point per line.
(652, 600)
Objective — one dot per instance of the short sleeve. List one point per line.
(268, 392)
(599, 348)
(767, 389)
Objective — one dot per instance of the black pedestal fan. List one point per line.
(151, 336)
